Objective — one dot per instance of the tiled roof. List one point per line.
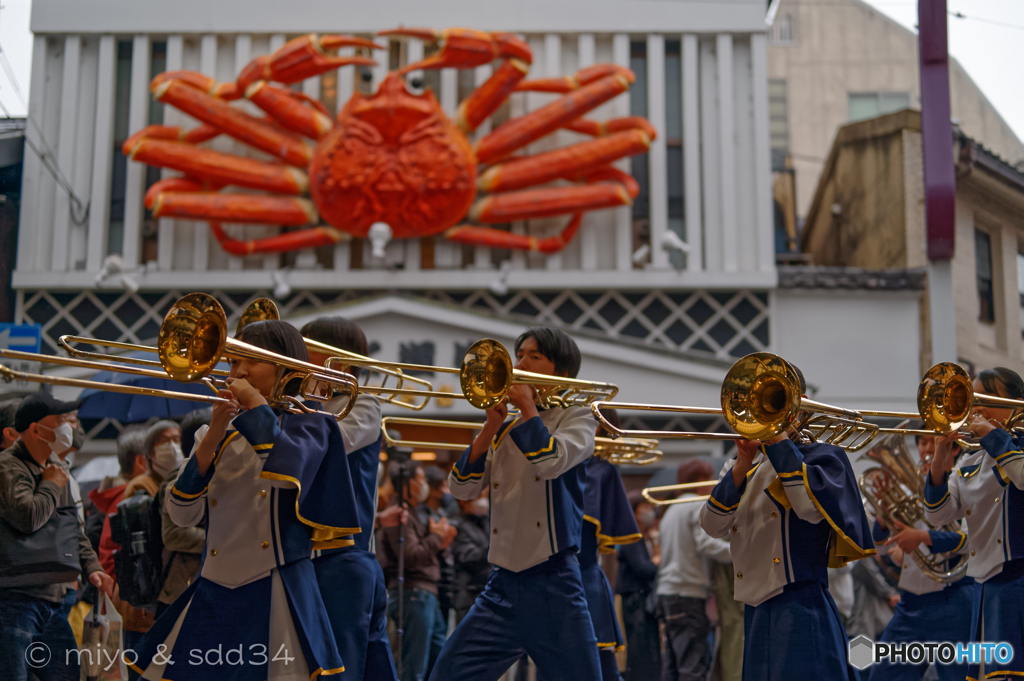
(852, 278)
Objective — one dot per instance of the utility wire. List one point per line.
(961, 15)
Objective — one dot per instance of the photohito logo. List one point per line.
(863, 652)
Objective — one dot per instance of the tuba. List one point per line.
(895, 490)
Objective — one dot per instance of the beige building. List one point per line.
(868, 211)
(832, 62)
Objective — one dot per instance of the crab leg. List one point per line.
(290, 109)
(568, 162)
(199, 81)
(486, 99)
(591, 74)
(547, 202)
(520, 132)
(498, 238)
(253, 131)
(290, 241)
(196, 135)
(213, 206)
(216, 166)
(610, 127)
(302, 58)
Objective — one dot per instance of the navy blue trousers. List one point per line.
(352, 586)
(937, 616)
(541, 611)
(1000, 601)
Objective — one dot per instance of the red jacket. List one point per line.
(106, 502)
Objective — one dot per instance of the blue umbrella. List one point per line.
(100, 404)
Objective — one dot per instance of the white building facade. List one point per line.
(662, 321)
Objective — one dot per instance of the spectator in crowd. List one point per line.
(183, 546)
(8, 408)
(840, 585)
(111, 489)
(684, 582)
(424, 629)
(162, 452)
(875, 593)
(33, 486)
(441, 504)
(638, 569)
(469, 551)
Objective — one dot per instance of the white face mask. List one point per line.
(424, 492)
(166, 458)
(62, 438)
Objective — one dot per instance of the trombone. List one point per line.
(648, 491)
(946, 398)
(631, 451)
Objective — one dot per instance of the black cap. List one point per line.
(38, 406)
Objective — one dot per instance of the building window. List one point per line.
(778, 114)
(1020, 288)
(983, 271)
(782, 32)
(863, 105)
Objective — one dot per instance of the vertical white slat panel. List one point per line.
(167, 227)
(46, 127)
(85, 123)
(552, 69)
(586, 47)
(201, 230)
(242, 56)
(32, 168)
(138, 117)
(691, 153)
(305, 259)
(657, 157)
(103, 155)
(66, 151)
(743, 134)
(623, 216)
(710, 161)
(272, 261)
(446, 254)
(727, 152)
(413, 54)
(762, 155)
(482, 254)
(383, 58)
(66, 155)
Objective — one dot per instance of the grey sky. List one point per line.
(990, 53)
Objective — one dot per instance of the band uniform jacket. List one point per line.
(536, 485)
(986, 489)
(797, 513)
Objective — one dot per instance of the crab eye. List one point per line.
(366, 75)
(414, 84)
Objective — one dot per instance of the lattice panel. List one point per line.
(724, 325)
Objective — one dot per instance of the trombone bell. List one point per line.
(761, 396)
(486, 373)
(945, 397)
(192, 337)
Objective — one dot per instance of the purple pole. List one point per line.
(936, 130)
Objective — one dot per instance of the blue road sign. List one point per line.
(23, 337)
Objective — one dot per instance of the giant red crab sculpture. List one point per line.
(393, 156)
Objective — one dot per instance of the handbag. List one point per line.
(47, 556)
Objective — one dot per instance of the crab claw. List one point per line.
(463, 48)
(304, 57)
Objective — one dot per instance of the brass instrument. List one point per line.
(895, 491)
(648, 491)
(946, 399)
(631, 451)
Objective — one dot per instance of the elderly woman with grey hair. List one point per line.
(162, 452)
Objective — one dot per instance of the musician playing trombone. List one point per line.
(791, 510)
(350, 578)
(534, 601)
(987, 488)
(928, 610)
(269, 483)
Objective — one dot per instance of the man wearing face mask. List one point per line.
(33, 486)
(424, 626)
(469, 551)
